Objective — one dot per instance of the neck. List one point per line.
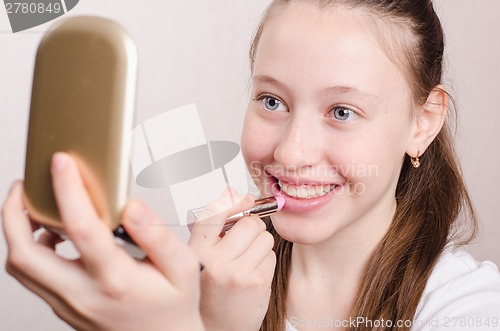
(334, 268)
(343, 255)
(333, 265)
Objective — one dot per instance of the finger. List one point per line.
(59, 305)
(267, 266)
(35, 287)
(241, 236)
(24, 256)
(91, 237)
(72, 198)
(258, 251)
(167, 252)
(217, 206)
(206, 231)
(41, 266)
(16, 224)
(222, 205)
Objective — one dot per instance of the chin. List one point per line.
(299, 231)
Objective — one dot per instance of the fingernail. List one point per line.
(59, 162)
(136, 214)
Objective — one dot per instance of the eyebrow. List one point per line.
(338, 89)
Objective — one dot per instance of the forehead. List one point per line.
(301, 42)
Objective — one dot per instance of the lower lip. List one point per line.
(304, 205)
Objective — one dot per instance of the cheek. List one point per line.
(257, 141)
(373, 160)
(250, 153)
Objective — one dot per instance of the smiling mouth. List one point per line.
(304, 191)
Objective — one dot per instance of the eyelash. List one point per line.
(351, 112)
(262, 97)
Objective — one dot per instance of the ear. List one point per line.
(428, 121)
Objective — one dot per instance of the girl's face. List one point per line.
(328, 124)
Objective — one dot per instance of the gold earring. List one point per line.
(415, 161)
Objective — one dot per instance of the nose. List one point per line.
(301, 144)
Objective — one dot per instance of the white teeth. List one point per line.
(302, 192)
(305, 191)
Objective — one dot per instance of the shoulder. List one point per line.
(461, 293)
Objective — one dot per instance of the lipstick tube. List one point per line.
(262, 207)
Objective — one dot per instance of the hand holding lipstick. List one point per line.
(239, 266)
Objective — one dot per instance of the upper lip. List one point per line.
(298, 181)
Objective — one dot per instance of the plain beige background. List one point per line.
(196, 51)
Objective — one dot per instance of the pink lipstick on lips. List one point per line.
(261, 208)
(303, 205)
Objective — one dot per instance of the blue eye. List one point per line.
(271, 103)
(343, 114)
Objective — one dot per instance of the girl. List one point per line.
(347, 122)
